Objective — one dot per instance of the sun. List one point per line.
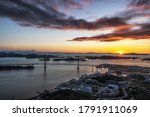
(121, 52)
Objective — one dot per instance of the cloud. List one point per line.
(42, 13)
(140, 4)
(50, 14)
(138, 12)
(121, 34)
(30, 13)
(45, 14)
(69, 5)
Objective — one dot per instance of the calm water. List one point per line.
(21, 84)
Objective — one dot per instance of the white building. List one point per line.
(108, 91)
(85, 88)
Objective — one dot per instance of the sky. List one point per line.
(99, 26)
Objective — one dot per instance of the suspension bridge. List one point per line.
(45, 64)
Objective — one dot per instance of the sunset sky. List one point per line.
(75, 25)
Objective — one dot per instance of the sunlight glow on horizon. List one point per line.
(124, 46)
(121, 52)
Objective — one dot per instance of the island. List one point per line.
(110, 57)
(28, 56)
(146, 59)
(69, 59)
(16, 67)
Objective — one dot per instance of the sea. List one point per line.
(24, 84)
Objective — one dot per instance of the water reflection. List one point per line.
(45, 74)
(78, 73)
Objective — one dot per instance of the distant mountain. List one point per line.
(109, 57)
(15, 54)
(134, 54)
(146, 59)
(10, 54)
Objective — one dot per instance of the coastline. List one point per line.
(103, 86)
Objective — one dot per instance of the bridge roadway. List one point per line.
(64, 64)
(31, 64)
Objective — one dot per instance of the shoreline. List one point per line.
(103, 86)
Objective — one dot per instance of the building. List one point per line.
(110, 90)
(84, 88)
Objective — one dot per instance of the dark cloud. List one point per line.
(140, 4)
(68, 5)
(41, 14)
(29, 13)
(136, 8)
(72, 4)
